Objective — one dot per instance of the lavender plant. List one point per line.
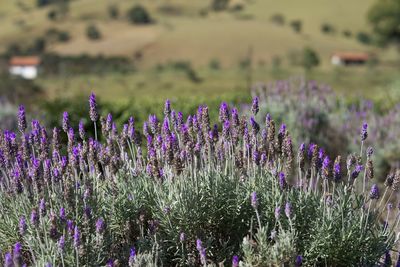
(185, 192)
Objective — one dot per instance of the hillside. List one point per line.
(183, 32)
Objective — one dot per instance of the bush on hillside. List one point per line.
(310, 58)
(327, 28)
(219, 5)
(139, 15)
(92, 32)
(347, 33)
(364, 38)
(278, 19)
(214, 64)
(113, 11)
(296, 25)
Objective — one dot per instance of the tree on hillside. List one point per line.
(310, 59)
(219, 5)
(139, 15)
(384, 17)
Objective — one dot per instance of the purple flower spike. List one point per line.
(22, 225)
(364, 132)
(82, 132)
(254, 200)
(132, 256)
(167, 108)
(282, 130)
(277, 212)
(8, 261)
(65, 122)
(42, 207)
(61, 243)
(356, 171)
(202, 251)
(94, 115)
(182, 237)
(34, 218)
(77, 237)
(374, 193)
(235, 261)
(288, 210)
(21, 119)
(336, 172)
(100, 226)
(282, 181)
(299, 261)
(255, 107)
(62, 214)
(17, 256)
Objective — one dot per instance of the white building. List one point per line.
(25, 67)
(349, 58)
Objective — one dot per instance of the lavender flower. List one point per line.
(288, 210)
(325, 167)
(277, 212)
(282, 181)
(34, 218)
(100, 226)
(182, 237)
(223, 112)
(82, 132)
(374, 193)
(337, 176)
(17, 256)
(22, 225)
(167, 108)
(132, 256)
(356, 171)
(42, 207)
(255, 106)
(364, 132)
(254, 200)
(77, 237)
(8, 261)
(94, 115)
(202, 252)
(65, 122)
(299, 261)
(61, 244)
(21, 119)
(235, 261)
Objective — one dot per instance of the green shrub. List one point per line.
(310, 58)
(139, 15)
(347, 33)
(92, 32)
(327, 28)
(278, 19)
(113, 11)
(214, 64)
(364, 38)
(219, 5)
(296, 25)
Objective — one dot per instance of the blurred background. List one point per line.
(135, 54)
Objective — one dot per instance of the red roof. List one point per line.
(25, 61)
(352, 55)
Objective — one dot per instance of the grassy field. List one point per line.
(226, 35)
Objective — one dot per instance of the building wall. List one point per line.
(335, 60)
(26, 72)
